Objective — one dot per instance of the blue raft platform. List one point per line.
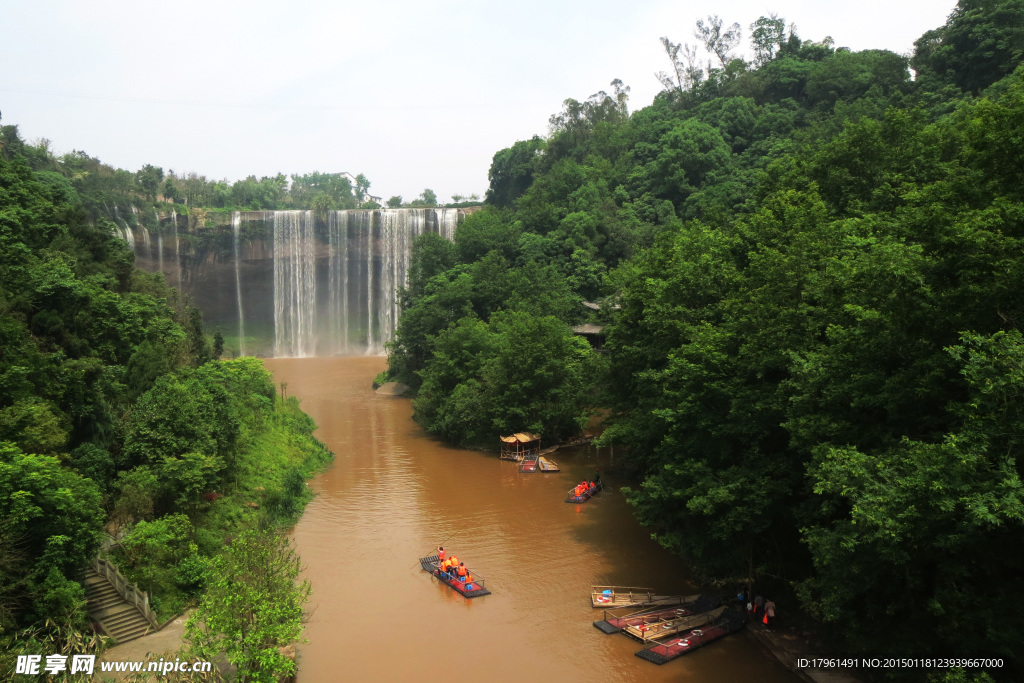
(469, 590)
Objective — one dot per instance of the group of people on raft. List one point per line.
(451, 566)
(584, 488)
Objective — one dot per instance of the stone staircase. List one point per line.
(120, 619)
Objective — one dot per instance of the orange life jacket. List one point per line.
(454, 562)
(462, 570)
(440, 553)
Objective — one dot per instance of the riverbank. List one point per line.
(791, 645)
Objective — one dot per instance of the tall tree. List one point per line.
(716, 41)
(767, 37)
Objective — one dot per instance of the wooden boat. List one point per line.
(469, 590)
(613, 597)
(529, 464)
(616, 620)
(660, 628)
(586, 495)
(729, 621)
(546, 465)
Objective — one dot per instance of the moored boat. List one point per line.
(729, 621)
(546, 465)
(632, 596)
(572, 497)
(615, 620)
(529, 464)
(471, 589)
(660, 628)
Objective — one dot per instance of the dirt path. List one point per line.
(167, 640)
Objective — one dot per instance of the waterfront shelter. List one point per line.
(519, 445)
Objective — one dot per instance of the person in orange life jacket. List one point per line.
(592, 488)
(462, 571)
(440, 553)
(453, 566)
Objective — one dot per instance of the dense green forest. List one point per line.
(116, 419)
(809, 266)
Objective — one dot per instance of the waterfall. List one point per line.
(129, 236)
(236, 224)
(160, 249)
(177, 254)
(336, 279)
(294, 284)
(447, 221)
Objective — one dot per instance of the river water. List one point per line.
(393, 495)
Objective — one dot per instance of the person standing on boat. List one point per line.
(597, 476)
(440, 553)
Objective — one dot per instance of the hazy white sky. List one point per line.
(413, 94)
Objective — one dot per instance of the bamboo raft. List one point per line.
(528, 464)
(609, 597)
(619, 618)
(730, 621)
(571, 496)
(468, 590)
(546, 465)
(661, 628)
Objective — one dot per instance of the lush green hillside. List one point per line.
(811, 270)
(115, 419)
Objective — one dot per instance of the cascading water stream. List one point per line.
(177, 254)
(236, 224)
(294, 284)
(335, 277)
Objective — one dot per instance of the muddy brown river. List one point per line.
(393, 494)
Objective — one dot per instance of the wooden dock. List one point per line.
(624, 596)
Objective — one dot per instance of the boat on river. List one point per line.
(632, 596)
(729, 621)
(546, 465)
(473, 589)
(615, 620)
(660, 628)
(586, 495)
(528, 464)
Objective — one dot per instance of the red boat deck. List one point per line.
(730, 621)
